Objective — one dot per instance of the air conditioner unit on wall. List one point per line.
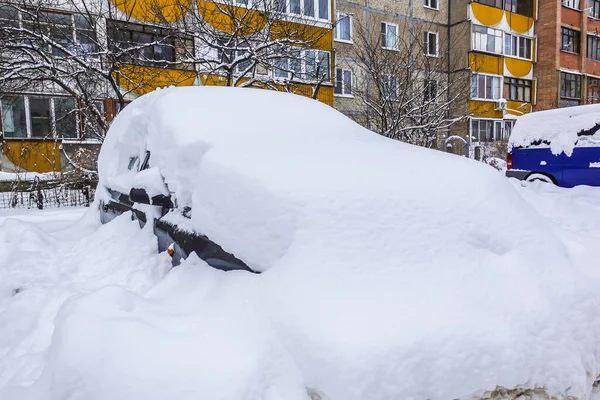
(500, 105)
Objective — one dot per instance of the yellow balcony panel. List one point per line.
(486, 15)
(33, 155)
(519, 23)
(518, 108)
(486, 63)
(231, 19)
(519, 68)
(317, 37)
(483, 109)
(142, 79)
(154, 11)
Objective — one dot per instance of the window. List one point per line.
(523, 7)
(593, 47)
(485, 87)
(390, 87)
(569, 40)
(343, 82)
(571, 4)
(431, 4)
(508, 127)
(431, 43)
(570, 88)
(85, 34)
(309, 65)
(343, 28)
(487, 130)
(487, 39)
(155, 45)
(517, 89)
(430, 90)
(389, 36)
(14, 123)
(306, 8)
(517, 46)
(40, 116)
(594, 10)
(65, 117)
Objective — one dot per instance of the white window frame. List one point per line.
(387, 25)
(302, 15)
(473, 39)
(531, 50)
(336, 30)
(572, 4)
(428, 35)
(344, 94)
(303, 68)
(500, 88)
(498, 126)
(427, 4)
(54, 134)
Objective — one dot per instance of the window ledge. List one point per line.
(433, 55)
(571, 8)
(431, 8)
(389, 48)
(570, 52)
(344, 96)
(486, 100)
(344, 41)
(518, 58)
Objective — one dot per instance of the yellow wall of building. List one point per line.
(486, 63)
(33, 155)
(155, 11)
(142, 79)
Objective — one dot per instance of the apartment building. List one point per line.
(391, 60)
(67, 67)
(568, 70)
(495, 60)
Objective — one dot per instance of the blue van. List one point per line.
(560, 146)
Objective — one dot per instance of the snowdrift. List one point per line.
(389, 271)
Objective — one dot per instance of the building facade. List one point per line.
(497, 60)
(67, 66)
(568, 70)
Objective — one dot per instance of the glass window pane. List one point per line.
(65, 117)
(347, 82)
(14, 123)
(39, 111)
(295, 6)
(324, 9)
(309, 8)
(323, 65)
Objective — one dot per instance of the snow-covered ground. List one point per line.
(92, 312)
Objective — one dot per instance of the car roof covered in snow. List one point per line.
(560, 129)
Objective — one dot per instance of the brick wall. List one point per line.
(548, 56)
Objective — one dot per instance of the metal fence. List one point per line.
(53, 197)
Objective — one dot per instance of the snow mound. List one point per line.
(558, 128)
(391, 271)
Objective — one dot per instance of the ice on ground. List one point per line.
(558, 128)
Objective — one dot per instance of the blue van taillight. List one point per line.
(508, 161)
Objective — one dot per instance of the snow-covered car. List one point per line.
(560, 146)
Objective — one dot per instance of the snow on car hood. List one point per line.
(392, 271)
(559, 128)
